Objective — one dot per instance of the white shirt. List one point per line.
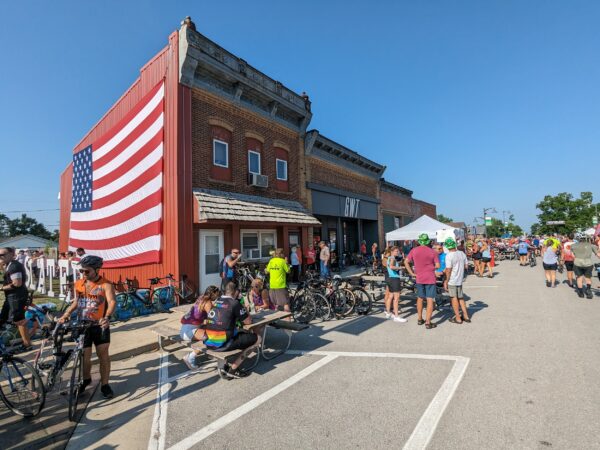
(456, 261)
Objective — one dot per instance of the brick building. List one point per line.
(239, 168)
(344, 193)
(399, 208)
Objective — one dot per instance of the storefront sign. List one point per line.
(352, 205)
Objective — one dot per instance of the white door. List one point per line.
(211, 253)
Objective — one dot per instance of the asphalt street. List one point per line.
(524, 374)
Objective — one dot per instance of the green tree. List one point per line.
(497, 228)
(442, 218)
(27, 225)
(577, 213)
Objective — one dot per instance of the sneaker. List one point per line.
(191, 365)
(84, 384)
(588, 293)
(400, 319)
(107, 392)
(548, 284)
(237, 373)
(580, 293)
(388, 315)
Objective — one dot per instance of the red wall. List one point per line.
(177, 191)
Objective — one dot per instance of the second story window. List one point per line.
(282, 172)
(253, 162)
(220, 153)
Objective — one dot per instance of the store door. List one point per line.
(211, 253)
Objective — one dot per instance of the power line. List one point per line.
(29, 211)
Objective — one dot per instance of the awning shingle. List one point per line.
(221, 205)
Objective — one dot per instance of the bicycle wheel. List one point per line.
(323, 309)
(303, 308)
(188, 292)
(75, 385)
(363, 301)
(21, 388)
(343, 302)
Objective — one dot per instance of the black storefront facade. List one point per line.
(347, 218)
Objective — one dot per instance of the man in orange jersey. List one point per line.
(94, 301)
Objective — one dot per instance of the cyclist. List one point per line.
(523, 249)
(278, 268)
(550, 263)
(456, 264)
(15, 294)
(568, 258)
(229, 267)
(393, 283)
(583, 251)
(425, 261)
(95, 301)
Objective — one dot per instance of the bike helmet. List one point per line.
(423, 239)
(95, 262)
(450, 243)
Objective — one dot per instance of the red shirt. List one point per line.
(424, 260)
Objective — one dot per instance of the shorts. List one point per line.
(240, 341)
(569, 265)
(279, 297)
(187, 332)
(521, 255)
(455, 291)
(486, 260)
(97, 336)
(426, 290)
(477, 255)
(394, 285)
(583, 271)
(13, 309)
(550, 266)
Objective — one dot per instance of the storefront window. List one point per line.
(257, 244)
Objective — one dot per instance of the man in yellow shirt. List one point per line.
(278, 268)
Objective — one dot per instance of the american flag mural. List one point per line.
(116, 208)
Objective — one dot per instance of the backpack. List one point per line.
(222, 268)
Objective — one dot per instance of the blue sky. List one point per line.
(469, 104)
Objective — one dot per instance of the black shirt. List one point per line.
(15, 267)
(221, 322)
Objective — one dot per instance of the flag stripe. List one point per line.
(149, 257)
(91, 245)
(139, 175)
(130, 139)
(150, 147)
(121, 205)
(131, 150)
(131, 120)
(125, 251)
(151, 201)
(151, 215)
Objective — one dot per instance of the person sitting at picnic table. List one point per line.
(222, 334)
(192, 321)
(259, 296)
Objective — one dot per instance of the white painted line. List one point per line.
(189, 373)
(215, 426)
(467, 286)
(422, 434)
(159, 422)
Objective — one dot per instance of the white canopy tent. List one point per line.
(423, 224)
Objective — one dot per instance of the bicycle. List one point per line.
(52, 368)
(21, 388)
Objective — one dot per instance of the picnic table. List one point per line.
(266, 319)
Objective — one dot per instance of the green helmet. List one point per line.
(450, 243)
(423, 239)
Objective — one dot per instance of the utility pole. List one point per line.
(485, 211)
(504, 220)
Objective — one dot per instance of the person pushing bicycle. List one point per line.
(94, 301)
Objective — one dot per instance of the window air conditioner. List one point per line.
(258, 180)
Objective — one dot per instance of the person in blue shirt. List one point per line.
(440, 272)
(523, 250)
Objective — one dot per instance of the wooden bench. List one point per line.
(167, 333)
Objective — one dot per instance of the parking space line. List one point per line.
(421, 435)
(159, 421)
(249, 406)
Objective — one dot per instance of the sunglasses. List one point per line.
(86, 271)
(3, 254)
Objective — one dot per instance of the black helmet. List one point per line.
(95, 262)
